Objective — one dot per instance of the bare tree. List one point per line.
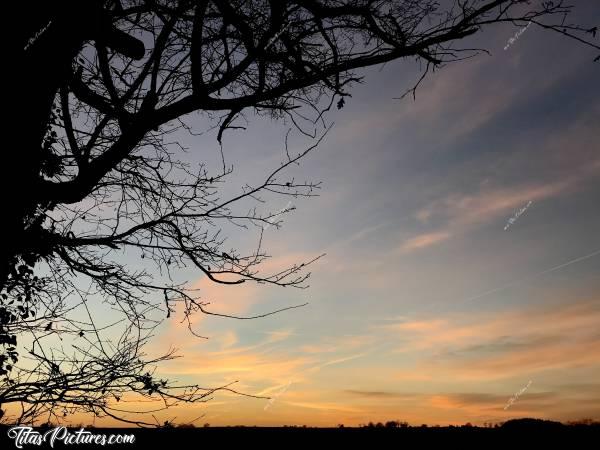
(102, 85)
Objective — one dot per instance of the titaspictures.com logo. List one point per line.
(25, 436)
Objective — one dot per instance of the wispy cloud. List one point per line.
(486, 346)
(380, 394)
(425, 240)
(458, 213)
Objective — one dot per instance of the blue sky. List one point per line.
(425, 308)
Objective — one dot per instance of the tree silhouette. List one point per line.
(102, 84)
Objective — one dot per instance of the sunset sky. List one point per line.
(425, 308)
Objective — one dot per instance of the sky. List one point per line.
(462, 261)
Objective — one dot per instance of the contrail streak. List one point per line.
(522, 280)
